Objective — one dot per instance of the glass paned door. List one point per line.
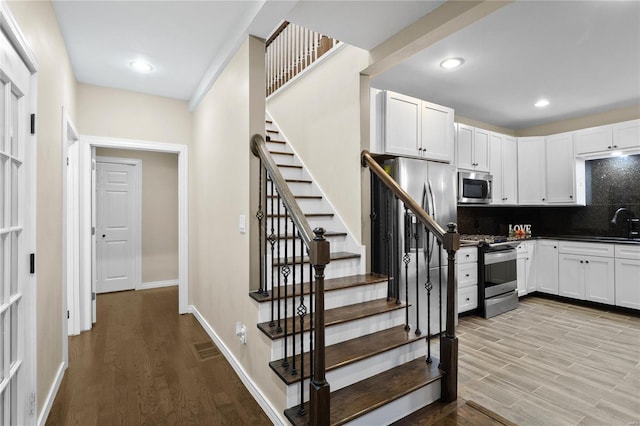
(14, 391)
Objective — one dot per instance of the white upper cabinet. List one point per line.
(503, 159)
(416, 128)
(402, 124)
(473, 148)
(612, 137)
(437, 132)
(565, 175)
(531, 171)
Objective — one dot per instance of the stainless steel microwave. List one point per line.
(474, 187)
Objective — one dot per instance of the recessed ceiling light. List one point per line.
(141, 66)
(451, 63)
(541, 103)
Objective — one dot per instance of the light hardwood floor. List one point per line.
(553, 363)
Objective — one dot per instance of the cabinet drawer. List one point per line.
(467, 274)
(586, 249)
(467, 254)
(467, 298)
(627, 251)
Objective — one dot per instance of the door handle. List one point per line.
(104, 235)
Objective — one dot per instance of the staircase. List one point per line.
(377, 371)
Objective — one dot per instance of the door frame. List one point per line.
(70, 236)
(87, 143)
(137, 215)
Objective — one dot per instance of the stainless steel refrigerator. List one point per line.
(433, 186)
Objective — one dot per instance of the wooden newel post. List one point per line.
(449, 341)
(319, 388)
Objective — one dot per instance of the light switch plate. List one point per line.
(243, 224)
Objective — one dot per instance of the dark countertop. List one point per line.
(591, 239)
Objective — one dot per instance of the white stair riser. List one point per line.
(283, 158)
(341, 332)
(325, 222)
(401, 407)
(337, 244)
(332, 299)
(292, 173)
(363, 369)
(297, 188)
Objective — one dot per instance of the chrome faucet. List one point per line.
(614, 220)
(632, 222)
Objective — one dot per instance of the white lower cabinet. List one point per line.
(547, 266)
(467, 274)
(627, 271)
(524, 268)
(584, 276)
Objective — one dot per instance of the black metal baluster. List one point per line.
(396, 250)
(279, 327)
(285, 274)
(406, 258)
(311, 331)
(302, 311)
(272, 241)
(440, 284)
(294, 371)
(387, 241)
(417, 237)
(428, 286)
(260, 215)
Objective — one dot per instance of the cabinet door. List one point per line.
(495, 159)
(626, 135)
(464, 143)
(521, 271)
(531, 171)
(571, 275)
(437, 140)
(627, 287)
(546, 266)
(509, 171)
(467, 298)
(561, 165)
(532, 269)
(481, 149)
(599, 279)
(402, 124)
(594, 139)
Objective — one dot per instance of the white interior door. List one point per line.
(94, 226)
(17, 311)
(117, 230)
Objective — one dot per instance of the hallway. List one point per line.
(138, 366)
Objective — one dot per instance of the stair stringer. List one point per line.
(337, 269)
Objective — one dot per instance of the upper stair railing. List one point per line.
(290, 50)
(286, 234)
(450, 241)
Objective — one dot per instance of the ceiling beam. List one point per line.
(436, 25)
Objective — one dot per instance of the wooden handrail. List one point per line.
(398, 192)
(260, 150)
(276, 33)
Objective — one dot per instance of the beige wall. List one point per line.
(159, 212)
(129, 115)
(320, 115)
(56, 88)
(221, 170)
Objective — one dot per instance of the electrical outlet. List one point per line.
(241, 332)
(242, 222)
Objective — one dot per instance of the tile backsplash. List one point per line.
(611, 183)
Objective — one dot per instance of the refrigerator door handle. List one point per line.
(434, 215)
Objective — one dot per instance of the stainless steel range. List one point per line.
(497, 276)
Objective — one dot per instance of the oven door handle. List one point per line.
(498, 257)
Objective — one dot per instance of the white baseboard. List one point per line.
(157, 284)
(266, 405)
(48, 403)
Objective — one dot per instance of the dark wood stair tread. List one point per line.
(360, 398)
(281, 153)
(294, 180)
(272, 131)
(302, 197)
(330, 284)
(268, 121)
(333, 316)
(306, 214)
(338, 255)
(290, 166)
(350, 351)
(326, 234)
(276, 141)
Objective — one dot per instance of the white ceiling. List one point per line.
(583, 56)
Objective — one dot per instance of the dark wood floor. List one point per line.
(138, 366)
